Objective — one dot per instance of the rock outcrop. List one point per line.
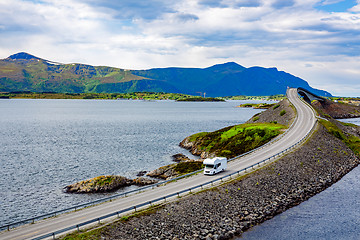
(231, 209)
(281, 113)
(108, 183)
(193, 147)
(176, 169)
(273, 114)
(180, 158)
(337, 110)
(164, 172)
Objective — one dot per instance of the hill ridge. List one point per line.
(19, 72)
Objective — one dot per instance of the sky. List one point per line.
(316, 40)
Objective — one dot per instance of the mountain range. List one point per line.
(25, 72)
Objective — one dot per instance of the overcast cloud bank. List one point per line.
(315, 40)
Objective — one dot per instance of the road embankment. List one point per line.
(228, 210)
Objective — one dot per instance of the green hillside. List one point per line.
(25, 72)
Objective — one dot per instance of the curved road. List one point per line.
(303, 124)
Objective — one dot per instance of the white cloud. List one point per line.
(290, 35)
(329, 2)
(356, 8)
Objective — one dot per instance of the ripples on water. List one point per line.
(331, 214)
(48, 144)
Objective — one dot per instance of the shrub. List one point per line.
(188, 167)
(276, 106)
(255, 119)
(282, 113)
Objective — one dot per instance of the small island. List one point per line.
(109, 183)
(200, 99)
(257, 105)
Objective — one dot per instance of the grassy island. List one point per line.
(111, 96)
(234, 140)
(201, 99)
(257, 105)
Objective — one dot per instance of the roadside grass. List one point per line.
(235, 140)
(351, 141)
(188, 167)
(96, 233)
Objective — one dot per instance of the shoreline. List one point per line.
(228, 210)
(250, 200)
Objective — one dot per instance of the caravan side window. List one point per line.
(218, 165)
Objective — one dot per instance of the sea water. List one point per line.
(46, 145)
(331, 214)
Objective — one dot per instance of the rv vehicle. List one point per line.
(214, 165)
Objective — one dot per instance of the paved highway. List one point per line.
(303, 124)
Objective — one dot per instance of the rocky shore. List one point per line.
(229, 210)
(271, 115)
(111, 183)
(108, 183)
(337, 110)
(183, 165)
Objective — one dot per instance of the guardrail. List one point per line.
(117, 213)
(124, 194)
(189, 190)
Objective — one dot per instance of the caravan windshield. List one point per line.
(209, 166)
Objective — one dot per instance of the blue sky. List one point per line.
(317, 40)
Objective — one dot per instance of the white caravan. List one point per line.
(214, 165)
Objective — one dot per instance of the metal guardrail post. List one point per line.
(158, 184)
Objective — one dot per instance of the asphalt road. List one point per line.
(303, 124)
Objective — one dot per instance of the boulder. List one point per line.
(142, 181)
(99, 184)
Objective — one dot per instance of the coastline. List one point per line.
(229, 210)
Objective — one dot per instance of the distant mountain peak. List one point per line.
(227, 66)
(23, 56)
(25, 72)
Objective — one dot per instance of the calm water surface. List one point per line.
(331, 214)
(48, 144)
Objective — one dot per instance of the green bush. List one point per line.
(276, 106)
(235, 140)
(282, 113)
(188, 167)
(255, 119)
(351, 141)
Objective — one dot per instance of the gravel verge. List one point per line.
(229, 210)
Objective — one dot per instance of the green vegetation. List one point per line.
(96, 234)
(282, 113)
(278, 97)
(351, 141)
(235, 140)
(200, 99)
(119, 96)
(90, 235)
(24, 72)
(255, 119)
(349, 124)
(276, 106)
(187, 167)
(257, 105)
(103, 180)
